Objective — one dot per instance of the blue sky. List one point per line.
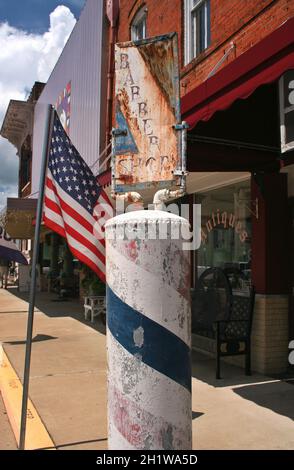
(31, 41)
(33, 15)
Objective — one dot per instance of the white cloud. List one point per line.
(24, 59)
(62, 22)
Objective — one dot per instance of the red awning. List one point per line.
(263, 63)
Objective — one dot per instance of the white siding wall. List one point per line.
(81, 62)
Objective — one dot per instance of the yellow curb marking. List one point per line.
(37, 436)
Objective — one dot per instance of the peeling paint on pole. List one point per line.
(148, 335)
(147, 107)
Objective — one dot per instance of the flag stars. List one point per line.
(70, 172)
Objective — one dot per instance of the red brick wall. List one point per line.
(164, 16)
(245, 22)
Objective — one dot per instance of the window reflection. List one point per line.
(226, 233)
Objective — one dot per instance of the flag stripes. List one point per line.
(75, 206)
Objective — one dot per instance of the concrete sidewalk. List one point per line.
(7, 440)
(68, 369)
(68, 384)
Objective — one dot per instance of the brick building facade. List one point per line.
(231, 56)
(243, 22)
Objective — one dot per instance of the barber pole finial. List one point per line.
(148, 333)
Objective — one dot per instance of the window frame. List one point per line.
(140, 17)
(189, 9)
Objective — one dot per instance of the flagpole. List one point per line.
(30, 322)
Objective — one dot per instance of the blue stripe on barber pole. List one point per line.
(160, 349)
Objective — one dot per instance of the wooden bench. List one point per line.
(224, 316)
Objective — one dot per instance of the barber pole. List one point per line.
(148, 332)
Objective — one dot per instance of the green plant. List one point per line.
(97, 286)
(91, 283)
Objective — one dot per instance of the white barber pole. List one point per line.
(148, 332)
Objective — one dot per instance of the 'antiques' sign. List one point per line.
(223, 220)
(286, 86)
(147, 107)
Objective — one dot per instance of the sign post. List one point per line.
(30, 323)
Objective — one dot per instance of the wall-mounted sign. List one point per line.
(286, 88)
(63, 107)
(112, 11)
(147, 107)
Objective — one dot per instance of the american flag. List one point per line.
(75, 206)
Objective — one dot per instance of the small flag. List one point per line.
(8, 249)
(75, 206)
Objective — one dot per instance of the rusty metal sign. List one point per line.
(146, 141)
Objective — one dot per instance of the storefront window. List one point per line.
(226, 233)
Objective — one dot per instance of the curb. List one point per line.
(37, 437)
